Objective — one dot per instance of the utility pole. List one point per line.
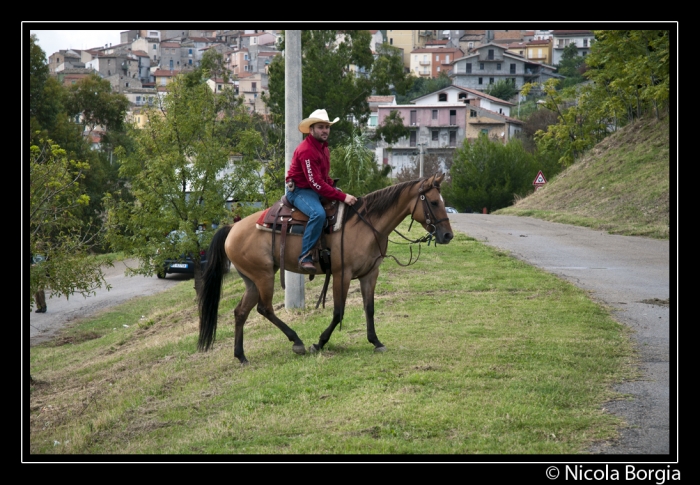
(420, 147)
(294, 283)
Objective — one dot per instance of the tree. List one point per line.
(572, 66)
(391, 129)
(388, 75)
(489, 174)
(329, 83)
(54, 229)
(356, 167)
(181, 175)
(423, 86)
(431, 165)
(502, 89)
(92, 100)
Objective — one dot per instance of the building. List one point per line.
(582, 39)
(491, 63)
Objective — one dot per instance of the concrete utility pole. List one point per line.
(294, 283)
(420, 147)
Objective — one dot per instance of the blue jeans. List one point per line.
(309, 202)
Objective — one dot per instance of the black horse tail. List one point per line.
(217, 263)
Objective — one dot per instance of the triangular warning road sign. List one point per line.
(539, 180)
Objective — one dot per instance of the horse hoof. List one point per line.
(313, 349)
(299, 349)
(380, 349)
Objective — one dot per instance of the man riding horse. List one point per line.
(308, 180)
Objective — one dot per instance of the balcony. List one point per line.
(424, 63)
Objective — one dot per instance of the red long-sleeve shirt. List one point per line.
(310, 166)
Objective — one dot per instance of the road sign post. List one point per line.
(539, 180)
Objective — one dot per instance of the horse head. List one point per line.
(430, 211)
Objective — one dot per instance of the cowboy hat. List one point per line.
(318, 116)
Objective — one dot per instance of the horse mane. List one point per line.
(379, 201)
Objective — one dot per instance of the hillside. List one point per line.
(621, 186)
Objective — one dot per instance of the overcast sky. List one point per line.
(52, 41)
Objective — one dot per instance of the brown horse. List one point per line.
(357, 250)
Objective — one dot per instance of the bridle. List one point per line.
(427, 211)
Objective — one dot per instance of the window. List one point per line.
(447, 59)
(413, 117)
(391, 41)
(453, 138)
(189, 51)
(470, 45)
(189, 62)
(254, 86)
(512, 68)
(154, 47)
(453, 116)
(481, 80)
(490, 57)
(585, 42)
(469, 68)
(490, 80)
(437, 57)
(472, 113)
(245, 57)
(484, 131)
(481, 66)
(412, 140)
(435, 114)
(498, 66)
(438, 69)
(442, 97)
(435, 134)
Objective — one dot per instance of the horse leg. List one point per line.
(266, 290)
(340, 294)
(367, 285)
(241, 312)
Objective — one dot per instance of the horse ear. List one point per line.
(437, 178)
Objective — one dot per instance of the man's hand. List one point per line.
(350, 199)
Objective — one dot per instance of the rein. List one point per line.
(430, 220)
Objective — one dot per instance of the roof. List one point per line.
(538, 42)
(140, 53)
(432, 50)
(381, 99)
(572, 32)
(169, 44)
(471, 91)
(165, 72)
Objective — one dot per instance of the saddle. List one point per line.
(283, 218)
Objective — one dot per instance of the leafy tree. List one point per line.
(92, 99)
(572, 66)
(181, 174)
(422, 86)
(489, 174)
(631, 72)
(356, 167)
(213, 66)
(329, 83)
(388, 75)
(391, 129)
(502, 89)
(55, 231)
(431, 165)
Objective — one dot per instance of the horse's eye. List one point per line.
(434, 203)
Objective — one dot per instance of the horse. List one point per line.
(356, 252)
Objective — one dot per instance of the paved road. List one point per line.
(631, 275)
(62, 311)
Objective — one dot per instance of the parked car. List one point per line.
(184, 263)
(451, 210)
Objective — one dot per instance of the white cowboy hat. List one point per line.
(318, 116)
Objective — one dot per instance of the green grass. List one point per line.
(486, 355)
